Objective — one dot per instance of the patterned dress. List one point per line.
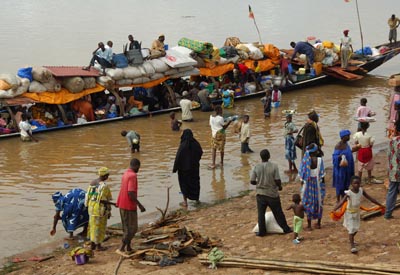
(72, 205)
(98, 212)
(313, 189)
(290, 148)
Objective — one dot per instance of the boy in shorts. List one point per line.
(298, 210)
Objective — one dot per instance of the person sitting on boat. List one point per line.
(243, 74)
(103, 56)
(133, 139)
(133, 44)
(26, 129)
(304, 48)
(204, 99)
(111, 108)
(71, 210)
(276, 96)
(227, 97)
(83, 107)
(345, 47)
(157, 47)
(134, 103)
(186, 105)
(393, 23)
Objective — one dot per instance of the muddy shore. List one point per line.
(232, 222)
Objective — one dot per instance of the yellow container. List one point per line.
(318, 68)
(302, 71)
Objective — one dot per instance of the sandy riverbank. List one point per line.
(232, 221)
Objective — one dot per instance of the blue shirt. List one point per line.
(303, 48)
(106, 54)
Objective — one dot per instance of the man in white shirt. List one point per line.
(186, 105)
(218, 127)
(26, 129)
(103, 55)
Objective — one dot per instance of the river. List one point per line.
(66, 32)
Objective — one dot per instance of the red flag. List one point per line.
(251, 14)
(347, 1)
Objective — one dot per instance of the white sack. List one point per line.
(159, 65)
(272, 225)
(132, 72)
(176, 59)
(115, 74)
(73, 84)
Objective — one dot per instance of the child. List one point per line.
(175, 124)
(245, 135)
(363, 111)
(290, 147)
(352, 214)
(267, 104)
(365, 141)
(298, 210)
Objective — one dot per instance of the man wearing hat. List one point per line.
(186, 105)
(133, 139)
(157, 47)
(345, 47)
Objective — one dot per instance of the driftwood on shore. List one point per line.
(314, 267)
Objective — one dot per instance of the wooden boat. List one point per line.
(329, 74)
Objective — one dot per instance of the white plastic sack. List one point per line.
(140, 80)
(184, 69)
(11, 79)
(272, 225)
(149, 69)
(115, 74)
(124, 81)
(159, 65)
(36, 87)
(132, 72)
(41, 74)
(171, 72)
(157, 76)
(53, 85)
(375, 51)
(255, 53)
(176, 59)
(105, 81)
(90, 82)
(73, 84)
(183, 50)
(195, 71)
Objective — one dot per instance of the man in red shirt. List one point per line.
(127, 203)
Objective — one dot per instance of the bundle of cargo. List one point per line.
(197, 46)
(43, 81)
(12, 86)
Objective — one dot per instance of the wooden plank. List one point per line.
(341, 74)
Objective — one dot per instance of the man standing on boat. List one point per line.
(304, 48)
(26, 129)
(103, 56)
(393, 23)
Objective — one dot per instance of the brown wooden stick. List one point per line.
(118, 265)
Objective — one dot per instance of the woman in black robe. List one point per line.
(187, 163)
(311, 133)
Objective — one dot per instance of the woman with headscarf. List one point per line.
(311, 133)
(345, 47)
(71, 210)
(343, 164)
(187, 164)
(98, 199)
(312, 175)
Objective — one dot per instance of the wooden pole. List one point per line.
(359, 24)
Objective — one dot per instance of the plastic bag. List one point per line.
(343, 161)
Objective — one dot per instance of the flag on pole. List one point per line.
(251, 14)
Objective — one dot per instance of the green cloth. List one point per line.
(197, 46)
(215, 256)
